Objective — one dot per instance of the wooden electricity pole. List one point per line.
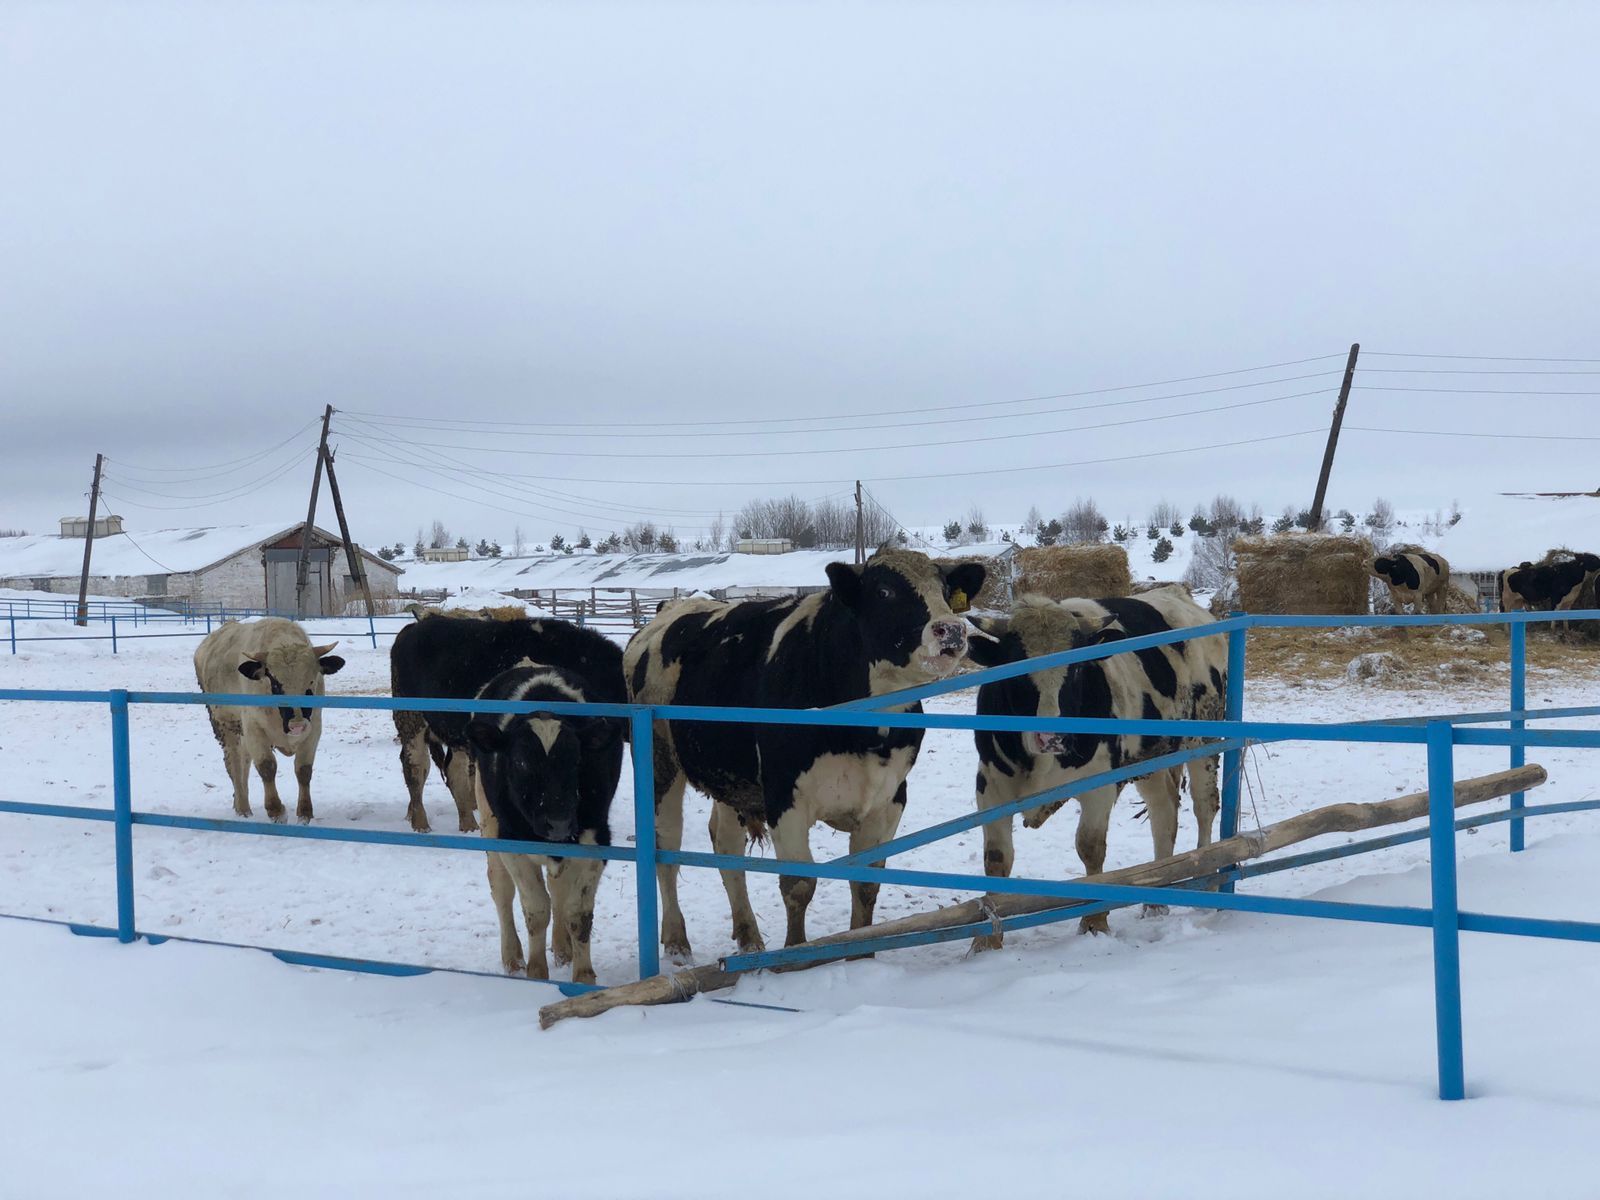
(1333, 438)
(352, 556)
(303, 569)
(88, 542)
(861, 534)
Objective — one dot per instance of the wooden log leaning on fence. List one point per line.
(1180, 868)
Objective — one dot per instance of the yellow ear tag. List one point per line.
(959, 602)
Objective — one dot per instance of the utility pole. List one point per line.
(861, 534)
(352, 556)
(302, 571)
(1333, 437)
(88, 542)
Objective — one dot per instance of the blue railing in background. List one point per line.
(1438, 735)
(192, 623)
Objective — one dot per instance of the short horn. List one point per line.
(319, 651)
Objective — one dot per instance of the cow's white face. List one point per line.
(291, 671)
(909, 612)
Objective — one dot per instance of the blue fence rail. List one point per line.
(1438, 735)
(195, 625)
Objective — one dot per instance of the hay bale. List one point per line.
(1303, 573)
(995, 594)
(1065, 572)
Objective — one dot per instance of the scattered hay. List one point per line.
(1449, 654)
(1065, 572)
(1303, 573)
(1378, 664)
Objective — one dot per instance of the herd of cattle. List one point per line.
(1420, 579)
(899, 621)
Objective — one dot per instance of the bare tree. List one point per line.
(440, 536)
(1083, 522)
(715, 533)
(519, 542)
(1163, 513)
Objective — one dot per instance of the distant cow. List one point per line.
(271, 656)
(1414, 577)
(546, 778)
(889, 625)
(1183, 681)
(452, 658)
(1551, 585)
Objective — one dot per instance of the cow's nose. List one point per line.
(558, 831)
(1050, 743)
(951, 634)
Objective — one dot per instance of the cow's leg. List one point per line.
(458, 775)
(414, 759)
(238, 764)
(727, 837)
(529, 878)
(573, 883)
(1161, 800)
(670, 783)
(501, 889)
(999, 851)
(791, 840)
(305, 756)
(1093, 821)
(260, 752)
(877, 827)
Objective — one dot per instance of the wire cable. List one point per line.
(1474, 357)
(1455, 433)
(1370, 387)
(256, 486)
(220, 468)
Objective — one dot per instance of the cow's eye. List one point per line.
(886, 592)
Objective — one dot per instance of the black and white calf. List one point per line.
(889, 625)
(1183, 681)
(545, 778)
(1548, 586)
(1415, 578)
(452, 658)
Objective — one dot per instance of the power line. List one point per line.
(220, 468)
(1519, 437)
(147, 554)
(966, 441)
(1469, 371)
(1476, 357)
(380, 424)
(1372, 387)
(896, 412)
(208, 502)
(236, 489)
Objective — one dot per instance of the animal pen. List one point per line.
(1202, 879)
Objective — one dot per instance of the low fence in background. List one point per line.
(1438, 736)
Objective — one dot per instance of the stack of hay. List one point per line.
(1303, 573)
(1063, 572)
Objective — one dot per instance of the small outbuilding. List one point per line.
(236, 566)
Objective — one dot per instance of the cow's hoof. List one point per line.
(749, 940)
(469, 824)
(561, 954)
(538, 970)
(1154, 910)
(242, 810)
(303, 818)
(677, 951)
(512, 966)
(1095, 924)
(988, 941)
(583, 977)
(278, 816)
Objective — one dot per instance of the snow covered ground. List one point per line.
(1266, 1056)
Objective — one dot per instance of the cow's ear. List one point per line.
(330, 664)
(963, 583)
(599, 733)
(486, 734)
(252, 669)
(989, 644)
(846, 583)
(1110, 631)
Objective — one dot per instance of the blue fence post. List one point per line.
(113, 635)
(208, 623)
(1446, 910)
(13, 619)
(1233, 760)
(122, 811)
(644, 841)
(1519, 703)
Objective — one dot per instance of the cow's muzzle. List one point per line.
(298, 727)
(1048, 743)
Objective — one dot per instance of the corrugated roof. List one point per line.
(143, 552)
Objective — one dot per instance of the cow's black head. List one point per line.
(1042, 627)
(908, 608)
(292, 669)
(1383, 567)
(529, 765)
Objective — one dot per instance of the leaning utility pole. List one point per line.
(1333, 438)
(303, 570)
(88, 542)
(861, 535)
(352, 556)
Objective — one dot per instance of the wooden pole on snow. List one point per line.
(1194, 864)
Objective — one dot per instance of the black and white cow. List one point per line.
(1547, 586)
(454, 657)
(891, 624)
(545, 778)
(1183, 681)
(1414, 577)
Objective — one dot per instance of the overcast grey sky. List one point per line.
(216, 218)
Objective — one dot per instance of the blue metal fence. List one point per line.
(1438, 735)
(194, 623)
